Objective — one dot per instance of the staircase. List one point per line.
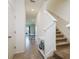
(62, 47)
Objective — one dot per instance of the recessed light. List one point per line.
(32, 9)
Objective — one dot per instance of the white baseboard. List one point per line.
(41, 52)
(50, 53)
(17, 52)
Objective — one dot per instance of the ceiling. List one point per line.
(32, 8)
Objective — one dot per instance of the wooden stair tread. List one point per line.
(64, 54)
(63, 47)
(61, 38)
(62, 43)
(57, 32)
(59, 35)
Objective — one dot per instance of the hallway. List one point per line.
(41, 17)
(31, 51)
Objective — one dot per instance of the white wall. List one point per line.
(20, 26)
(11, 28)
(46, 30)
(61, 9)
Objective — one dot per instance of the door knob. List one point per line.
(9, 36)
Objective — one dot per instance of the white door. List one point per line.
(11, 28)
